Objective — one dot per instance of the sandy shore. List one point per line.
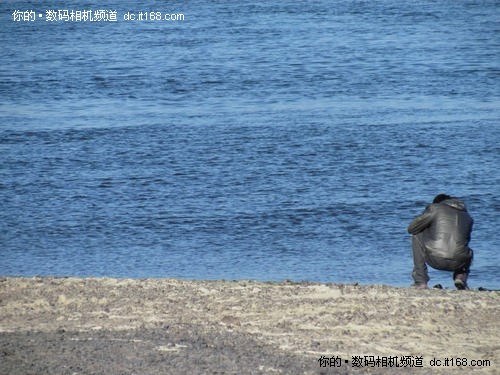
(166, 326)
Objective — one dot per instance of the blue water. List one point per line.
(252, 140)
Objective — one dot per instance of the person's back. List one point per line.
(449, 233)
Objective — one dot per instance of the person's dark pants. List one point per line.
(422, 258)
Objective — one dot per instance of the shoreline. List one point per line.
(179, 326)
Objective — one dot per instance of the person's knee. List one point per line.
(417, 244)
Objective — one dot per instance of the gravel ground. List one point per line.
(164, 326)
(183, 349)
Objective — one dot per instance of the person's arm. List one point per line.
(422, 221)
(470, 230)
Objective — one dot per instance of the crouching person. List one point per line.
(440, 239)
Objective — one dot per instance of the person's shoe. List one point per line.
(419, 285)
(460, 280)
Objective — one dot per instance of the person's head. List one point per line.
(440, 197)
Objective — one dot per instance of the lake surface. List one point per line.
(250, 140)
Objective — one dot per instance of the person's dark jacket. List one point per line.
(444, 229)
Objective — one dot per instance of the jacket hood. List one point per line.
(455, 203)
